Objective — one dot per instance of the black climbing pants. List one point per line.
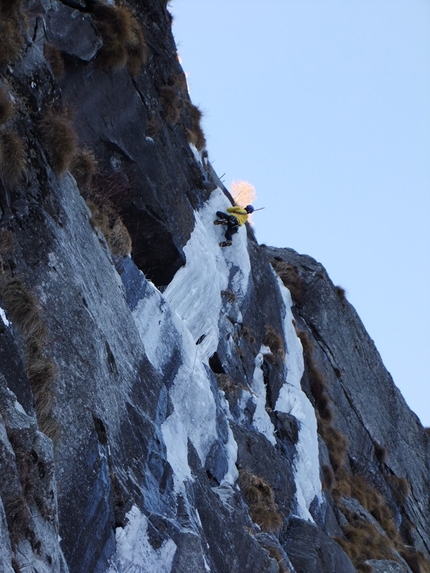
(232, 224)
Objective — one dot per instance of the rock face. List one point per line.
(168, 405)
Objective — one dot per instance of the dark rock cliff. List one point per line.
(167, 405)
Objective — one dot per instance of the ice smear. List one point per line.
(185, 319)
(135, 553)
(195, 295)
(19, 407)
(156, 325)
(260, 419)
(294, 401)
(194, 414)
(195, 291)
(196, 152)
(3, 317)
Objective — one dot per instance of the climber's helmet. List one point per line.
(249, 209)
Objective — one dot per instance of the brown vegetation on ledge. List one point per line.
(23, 311)
(11, 31)
(261, 501)
(59, 139)
(122, 35)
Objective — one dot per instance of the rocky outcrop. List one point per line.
(166, 404)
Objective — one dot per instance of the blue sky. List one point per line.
(324, 106)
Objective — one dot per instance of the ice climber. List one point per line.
(235, 218)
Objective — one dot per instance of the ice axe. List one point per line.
(260, 209)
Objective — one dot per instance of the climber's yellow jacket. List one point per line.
(240, 214)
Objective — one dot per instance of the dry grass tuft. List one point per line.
(400, 488)
(15, 565)
(6, 105)
(104, 198)
(225, 383)
(60, 141)
(229, 296)
(358, 488)
(362, 541)
(137, 49)
(114, 188)
(22, 309)
(195, 132)
(228, 385)
(341, 293)
(106, 218)
(290, 278)
(328, 477)
(276, 553)
(119, 240)
(17, 516)
(12, 158)
(123, 40)
(336, 444)
(11, 31)
(317, 382)
(153, 126)
(271, 358)
(266, 515)
(50, 427)
(416, 560)
(84, 168)
(171, 103)
(41, 372)
(374, 503)
(324, 409)
(364, 568)
(261, 501)
(248, 334)
(54, 58)
(274, 341)
(6, 242)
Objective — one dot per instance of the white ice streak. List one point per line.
(135, 554)
(188, 312)
(156, 325)
(294, 401)
(19, 408)
(197, 154)
(195, 291)
(3, 317)
(260, 419)
(193, 417)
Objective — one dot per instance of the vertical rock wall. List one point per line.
(168, 405)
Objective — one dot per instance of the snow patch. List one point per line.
(19, 408)
(197, 154)
(3, 317)
(293, 400)
(134, 552)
